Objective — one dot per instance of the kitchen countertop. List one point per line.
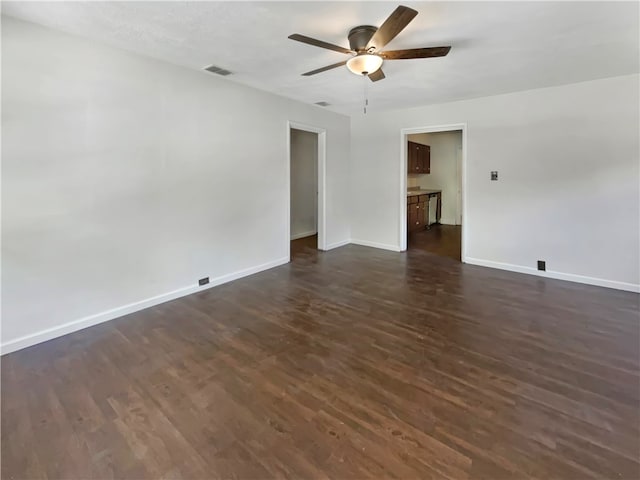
(422, 192)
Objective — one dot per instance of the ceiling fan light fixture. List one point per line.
(364, 64)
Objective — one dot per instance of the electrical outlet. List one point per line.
(203, 281)
(542, 265)
(494, 175)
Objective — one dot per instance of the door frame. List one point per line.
(322, 182)
(402, 227)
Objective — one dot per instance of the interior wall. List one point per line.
(126, 179)
(568, 189)
(444, 175)
(304, 183)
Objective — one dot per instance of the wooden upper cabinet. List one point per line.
(418, 158)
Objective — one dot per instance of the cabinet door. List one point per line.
(419, 150)
(411, 217)
(426, 159)
(415, 217)
(423, 214)
(418, 158)
(412, 158)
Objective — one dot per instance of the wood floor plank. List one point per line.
(354, 363)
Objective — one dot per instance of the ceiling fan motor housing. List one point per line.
(359, 37)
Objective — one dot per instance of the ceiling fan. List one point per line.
(366, 44)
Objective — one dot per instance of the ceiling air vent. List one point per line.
(217, 70)
(323, 104)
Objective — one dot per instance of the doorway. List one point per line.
(433, 164)
(307, 148)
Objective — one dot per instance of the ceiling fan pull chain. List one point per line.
(366, 98)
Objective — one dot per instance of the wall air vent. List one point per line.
(217, 70)
(323, 104)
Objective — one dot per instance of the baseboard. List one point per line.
(85, 322)
(384, 246)
(331, 246)
(569, 277)
(304, 234)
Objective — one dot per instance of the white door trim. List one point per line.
(402, 227)
(322, 182)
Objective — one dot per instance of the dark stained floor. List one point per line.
(354, 363)
(443, 240)
(301, 245)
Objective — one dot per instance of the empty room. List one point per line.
(338, 240)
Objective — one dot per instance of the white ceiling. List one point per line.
(498, 47)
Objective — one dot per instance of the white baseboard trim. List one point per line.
(384, 246)
(85, 322)
(569, 277)
(338, 244)
(303, 234)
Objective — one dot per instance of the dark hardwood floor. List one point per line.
(443, 240)
(301, 245)
(354, 363)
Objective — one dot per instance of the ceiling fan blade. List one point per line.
(319, 43)
(324, 69)
(392, 26)
(377, 75)
(415, 53)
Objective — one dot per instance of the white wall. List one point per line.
(126, 178)
(445, 148)
(304, 183)
(568, 189)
